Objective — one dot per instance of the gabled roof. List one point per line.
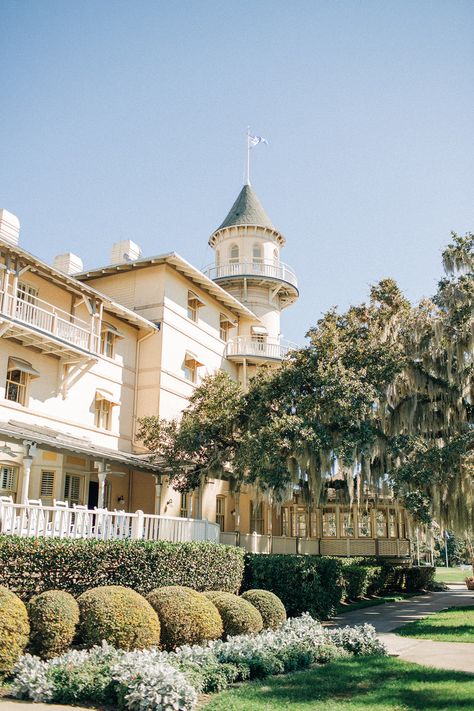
(183, 267)
(247, 210)
(72, 284)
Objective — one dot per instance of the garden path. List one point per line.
(385, 618)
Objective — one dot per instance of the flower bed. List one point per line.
(150, 679)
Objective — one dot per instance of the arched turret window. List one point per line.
(218, 258)
(234, 254)
(276, 257)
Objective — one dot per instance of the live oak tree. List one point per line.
(380, 398)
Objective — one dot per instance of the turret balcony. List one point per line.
(253, 349)
(38, 323)
(265, 270)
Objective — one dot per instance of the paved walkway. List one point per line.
(385, 618)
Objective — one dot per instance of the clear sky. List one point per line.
(126, 120)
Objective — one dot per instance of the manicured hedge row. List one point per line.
(304, 583)
(318, 584)
(29, 566)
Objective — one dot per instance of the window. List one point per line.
(256, 517)
(401, 526)
(392, 524)
(329, 523)
(72, 489)
(194, 304)
(184, 505)
(365, 526)
(190, 367)
(234, 254)
(104, 402)
(276, 257)
(257, 254)
(347, 524)
(19, 373)
(47, 488)
(103, 414)
(8, 480)
(381, 523)
(224, 327)
(220, 511)
(27, 293)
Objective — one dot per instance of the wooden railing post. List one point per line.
(137, 525)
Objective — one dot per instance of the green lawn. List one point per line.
(453, 625)
(451, 575)
(357, 684)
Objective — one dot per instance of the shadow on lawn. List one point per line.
(428, 631)
(364, 683)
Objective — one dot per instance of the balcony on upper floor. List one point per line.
(266, 270)
(254, 349)
(42, 325)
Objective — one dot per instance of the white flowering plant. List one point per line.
(153, 680)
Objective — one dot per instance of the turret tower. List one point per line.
(247, 264)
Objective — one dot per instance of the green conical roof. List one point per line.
(247, 210)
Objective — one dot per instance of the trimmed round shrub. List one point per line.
(54, 616)
(186, 616)
(269, 606)
(238, 615)
(14, 629)
(118, 615)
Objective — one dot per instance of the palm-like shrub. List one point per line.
(118, 615)
(238, 615)
(269, 606)
(54, 616)
(186, 616)
(14, 629)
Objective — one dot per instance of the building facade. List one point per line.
(85, 354)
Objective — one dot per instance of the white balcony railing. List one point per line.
(80, 522)
(246, 346)
(265, 269)
(49, 319)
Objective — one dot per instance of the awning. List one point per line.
(24, 366)
(226, 319)
(259, 330)
(112, 329)
(194, 299)
(191, 359)
(101, 394)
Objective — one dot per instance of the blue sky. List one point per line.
(126, 120)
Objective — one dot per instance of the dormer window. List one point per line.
(19, 374)
(194, 304)
(234, 254)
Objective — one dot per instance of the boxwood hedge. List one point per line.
(29, 566)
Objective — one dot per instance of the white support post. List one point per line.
(158, 490)
(137, 525)
(27, 461)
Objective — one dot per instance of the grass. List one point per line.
(451, 575)
(357, 684)
(453, 625)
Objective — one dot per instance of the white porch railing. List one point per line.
(80, 522)
(247, 346)
(49, 319)
(266, 269)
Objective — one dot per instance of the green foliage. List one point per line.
(118, 615)
(303, 583)
(358, 579)
(269, 605)
(382, 392)
(54, 616)
(14, 629)
(238, 615)
(30, 566)
(186, 616)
